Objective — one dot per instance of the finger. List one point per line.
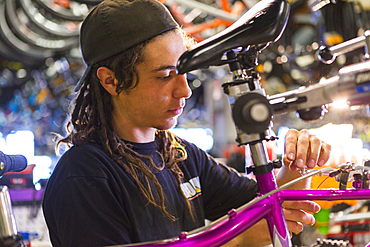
(294, 226)
(308, 206)
(303, 144)
(324, 154)
(313, 151)
(299, 216)
(290, 164)
(291, 144)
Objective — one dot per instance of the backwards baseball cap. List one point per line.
(114, 26)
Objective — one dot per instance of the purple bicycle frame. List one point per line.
(267, 207)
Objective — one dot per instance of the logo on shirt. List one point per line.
(192, 188)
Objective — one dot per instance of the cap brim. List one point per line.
(82, 79)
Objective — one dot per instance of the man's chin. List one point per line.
(167, 125)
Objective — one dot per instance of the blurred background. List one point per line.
(40, 63)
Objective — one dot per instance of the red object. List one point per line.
(28, 170)
(18, 181)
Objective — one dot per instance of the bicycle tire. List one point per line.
(62, 28)
(14, 56)
(59, 11)
(26, 31)
(23, 52)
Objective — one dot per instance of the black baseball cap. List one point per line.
(114, 26)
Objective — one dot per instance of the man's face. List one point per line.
(159, 96)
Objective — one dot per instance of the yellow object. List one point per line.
(333, 38)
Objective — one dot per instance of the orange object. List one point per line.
(329, 183)
(195, 30)
(62, 3)
(225, 5)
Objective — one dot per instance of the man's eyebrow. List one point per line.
(166, 67)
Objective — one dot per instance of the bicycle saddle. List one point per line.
(261, 24)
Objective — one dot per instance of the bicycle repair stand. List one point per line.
(252, 114)
(251, 111)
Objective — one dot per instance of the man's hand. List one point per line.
(299, 211)
(303, 149)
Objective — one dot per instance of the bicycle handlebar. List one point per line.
(12, 163)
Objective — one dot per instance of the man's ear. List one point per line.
(107, 80)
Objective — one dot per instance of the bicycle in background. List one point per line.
(9, 236)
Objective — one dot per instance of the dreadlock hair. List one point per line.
(91, 121)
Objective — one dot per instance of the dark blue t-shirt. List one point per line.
(90, 200)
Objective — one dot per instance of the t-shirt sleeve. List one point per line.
(223, 188)
(97, 220)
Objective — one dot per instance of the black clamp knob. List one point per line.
(263, 169)
(252, 113)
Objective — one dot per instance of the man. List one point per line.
(125, 178)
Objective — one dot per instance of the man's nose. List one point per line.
(182, 89)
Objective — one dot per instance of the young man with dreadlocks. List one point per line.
(127, 178)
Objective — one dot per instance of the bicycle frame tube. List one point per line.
(267, 182)
(277, 225)
(235, 224)
(223, 231)
(237, 221)
(324, 195)
(275, 219)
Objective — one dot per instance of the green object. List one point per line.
(322, 220)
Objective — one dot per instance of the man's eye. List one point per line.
(164, 77)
